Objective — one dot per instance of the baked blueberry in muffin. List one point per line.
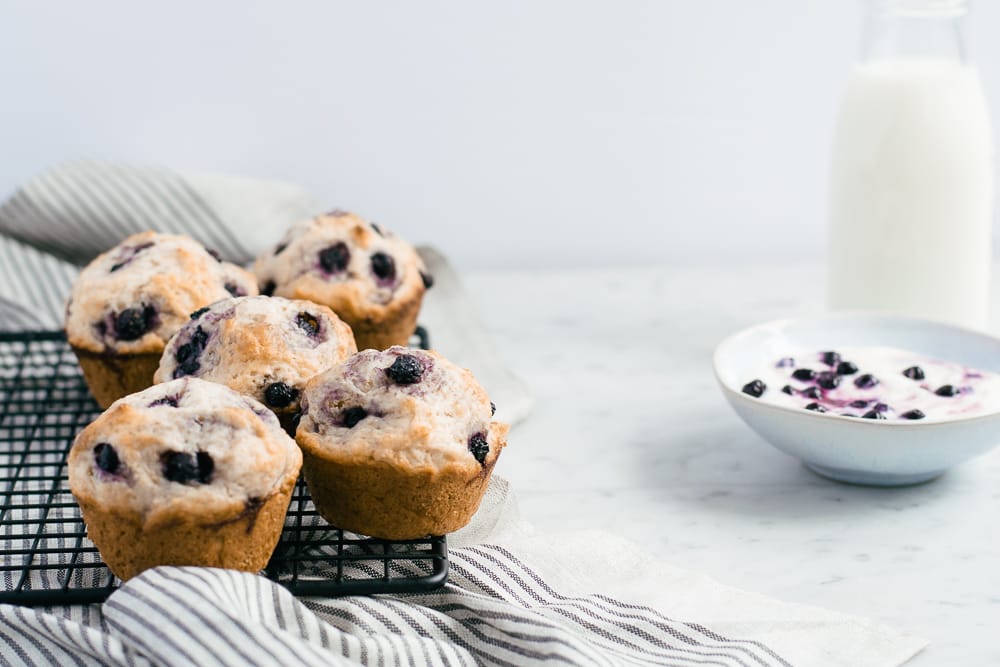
(398, 443)
(187, 472)
(129, 301)
(370, 277)
(264, 347)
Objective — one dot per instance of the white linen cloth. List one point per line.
(514, 596)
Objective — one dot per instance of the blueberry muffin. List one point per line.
(398, 444)
(129, 301)
(263, 347)
(370, 277)
(187, 472)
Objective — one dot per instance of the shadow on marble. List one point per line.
(736, 473)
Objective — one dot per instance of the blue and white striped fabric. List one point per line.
(513, 598)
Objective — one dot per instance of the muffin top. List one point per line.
(264, 347)
(134, 297)
(186, 449)
(360, 269)
(403, 407)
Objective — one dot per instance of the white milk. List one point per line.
(912, 192)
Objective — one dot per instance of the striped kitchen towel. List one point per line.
(514, 596)
(519, 598)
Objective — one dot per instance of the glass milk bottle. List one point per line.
(912, 176)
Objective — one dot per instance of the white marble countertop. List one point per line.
(630, 434)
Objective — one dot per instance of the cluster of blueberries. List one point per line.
(832, 378)
(407, 369)
(180, 467)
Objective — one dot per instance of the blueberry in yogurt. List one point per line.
(847, 368)
(754, 388)
(830, 358)
(804, 374)
(828, 380)
(882, 383)
(866, 381)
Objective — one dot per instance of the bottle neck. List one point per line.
(905, 29)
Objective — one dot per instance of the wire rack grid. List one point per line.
(45, 556)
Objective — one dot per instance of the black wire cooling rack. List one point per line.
(45, 556)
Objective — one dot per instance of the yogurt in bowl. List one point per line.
(901, 366)
(881, 383)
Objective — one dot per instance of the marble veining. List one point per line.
(631, 434)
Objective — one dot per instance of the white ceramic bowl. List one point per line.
(860, 451)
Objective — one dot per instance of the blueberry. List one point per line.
(106, 458)
(353, 415)
(804, 374)
(406, 369)
(913, 414)
(873, 414)
(914, 373)
(787, 389)
(847, 368)
(815, 407)
(234, 289)
(383, 266)
(881, 407)
(479, 447)
(755, 388)
(132, 323)
(335, 258)
(786, 362)
(866, 381)
(830, 358)
(198, 313)
(279, 394)
(267, 289)
(308, 323)
(215, 255)
(186, 468)
(860, 403)
(131, 253)
(812, 392)
(427, 279)
(493, 408)
(376, 228)
(189, 353)
(280, 248)
(828, 380)
(947, 390)
(172, 401)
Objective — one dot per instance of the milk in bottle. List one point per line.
(912, 176)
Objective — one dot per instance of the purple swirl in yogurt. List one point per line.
(879, 383)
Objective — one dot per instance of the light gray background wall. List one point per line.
(514, 133)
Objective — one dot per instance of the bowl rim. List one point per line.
(847, 316)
